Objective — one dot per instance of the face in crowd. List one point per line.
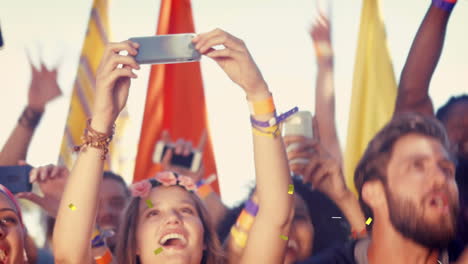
(456, 124)
(170, 225)
(113, 198)
(407, 176)
(421, 192)
(301, 235)
(12, 233)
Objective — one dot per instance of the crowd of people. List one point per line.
(412, 180)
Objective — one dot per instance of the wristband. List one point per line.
(446, 5)
(274, 120)
(240, 237)
(261, 107)
(204, 190)
(323, 49)
(357, 235)
(208, 180)
(30, 118)
(104, 259)
(271, 132)
(251, 207)
(245, 221)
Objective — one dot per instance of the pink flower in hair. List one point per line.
(187, 182)
(166, 178)
(141, 189)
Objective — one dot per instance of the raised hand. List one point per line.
(234, 59)
(184, 148)
(321, 36)
(113, 83)
(51, 180)
(44, 87)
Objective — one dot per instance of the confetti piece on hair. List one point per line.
(369, 220)
(71, 206)
(149, 203)
(336, 217)
(284, 237)
(291, 189)
(159, 250)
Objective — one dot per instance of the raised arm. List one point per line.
(413, 89)
(324, 89)
(78, 207)
(264, 244)
(43, 89)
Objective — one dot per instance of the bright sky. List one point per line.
(276, 32)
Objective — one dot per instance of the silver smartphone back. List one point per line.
(165, 49)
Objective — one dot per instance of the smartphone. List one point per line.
(191, 161)
(166, 49)
(299, 124)
(16, 178)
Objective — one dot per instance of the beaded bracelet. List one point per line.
(240, 237)
(104, 259)
(95, 139)
(446, 5)
(274, 120)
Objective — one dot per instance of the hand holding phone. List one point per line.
(179, 154)
(166, 49)
(16, 178)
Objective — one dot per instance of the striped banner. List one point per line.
(97, 37)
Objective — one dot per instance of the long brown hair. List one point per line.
(126, 242)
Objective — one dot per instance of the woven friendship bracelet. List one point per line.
(274, 120)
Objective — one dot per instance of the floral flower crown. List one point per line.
(167, 178)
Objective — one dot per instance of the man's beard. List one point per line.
(409, 220)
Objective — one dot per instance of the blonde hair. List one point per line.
(126, 242)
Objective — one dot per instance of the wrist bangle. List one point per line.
(239, 237)
(274, 120)
(251, 207)
(446, 5)
(261, 107)
(104, 259)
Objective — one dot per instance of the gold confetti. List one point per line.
(71, 206)
(159, 250)
(369, 220)
(149, 203)
(291, 189)
(284, 237)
